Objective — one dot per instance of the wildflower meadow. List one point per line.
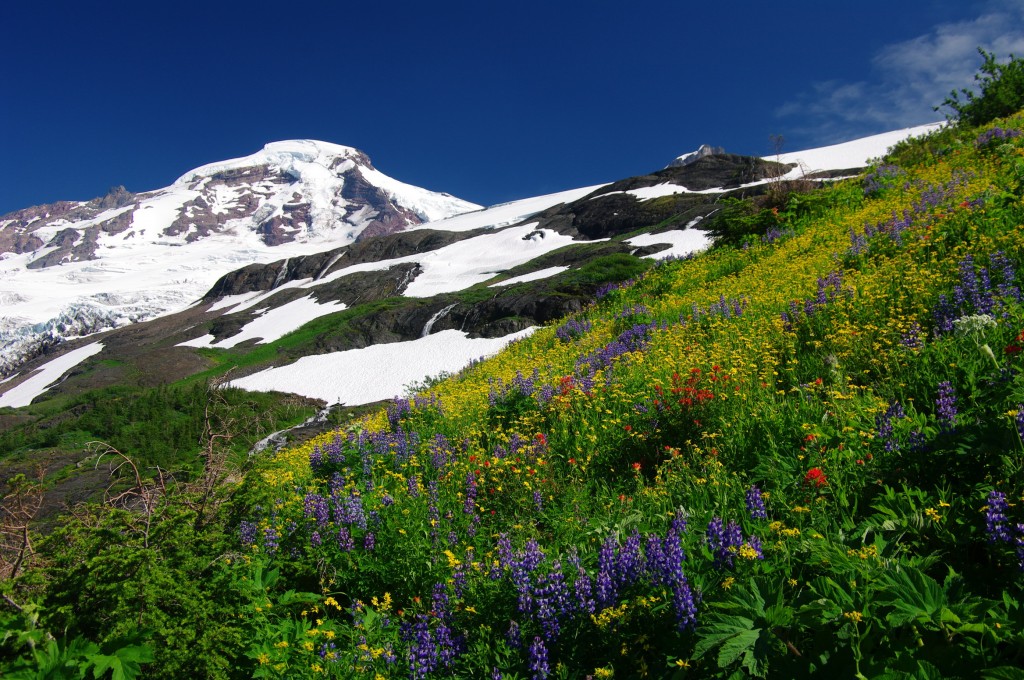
(800, 455)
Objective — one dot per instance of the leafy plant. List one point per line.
(1001, 92)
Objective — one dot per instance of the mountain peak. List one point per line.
(286, 154)
(694, 156)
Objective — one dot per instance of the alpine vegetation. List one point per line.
(784, 457)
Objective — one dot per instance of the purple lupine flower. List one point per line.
(573, 329)
(459, 580)
(335, 452)
(630, 564)
(345, 542)
(512, 636)
(1007, 288)
(912, 338)
(247, 533)
(858, 243)
(538, 659)
(433, 514)
(775, 233)
(724, 541)
(496, 674)
(349, 510)
(521, 569)
(538, 501)
(946, 404)
(551, 601)
(583, 590)
(917, 441)
(505, 553)
(440, 601)
(441, 452)
(423, 656)
(884, 421)
(398, 409)
(1019, 543)
(413, 485)
(1019, 420)
(995, 134)
(654, 557)
(469, 504)
(996, 523)
(754, 543)
(606, 590)
(755, 503)
(369, 541)
(677, 527)
(684, 605)
(270, 540)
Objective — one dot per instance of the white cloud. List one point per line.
(910, 77)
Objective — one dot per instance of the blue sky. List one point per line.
(488, 101)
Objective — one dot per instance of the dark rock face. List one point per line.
(117, 197)
(390, 218)
(262, 277)
(71, 246)
(16, 228)
(609, 211)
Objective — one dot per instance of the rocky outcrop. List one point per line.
(116, 197)
(70, 246)
(694, 156)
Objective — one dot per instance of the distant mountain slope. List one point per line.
(74, 268)
(486, 273)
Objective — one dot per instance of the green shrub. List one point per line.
(1002, 92)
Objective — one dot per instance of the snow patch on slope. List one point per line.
(46, 376)
(362, 376)
(468, 262)
(532, 276)
(683, 242)
(273, 324)
(504, 214)
(852, 154)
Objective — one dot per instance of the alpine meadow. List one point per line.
(797, 454)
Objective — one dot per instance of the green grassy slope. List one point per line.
(794, 456)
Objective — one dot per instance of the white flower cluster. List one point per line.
(975, 324)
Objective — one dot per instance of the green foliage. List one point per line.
(838, 375)
(27, 651)
(747, 628)
(608, 269)
(158, 426)
(1001, 92)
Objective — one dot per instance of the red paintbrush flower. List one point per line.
(815, 477)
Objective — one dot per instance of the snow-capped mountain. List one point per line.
(430, 297)
(74, 268)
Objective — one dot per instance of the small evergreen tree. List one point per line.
(1002, 92)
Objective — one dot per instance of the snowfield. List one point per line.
(362, 376)
(46, 376)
